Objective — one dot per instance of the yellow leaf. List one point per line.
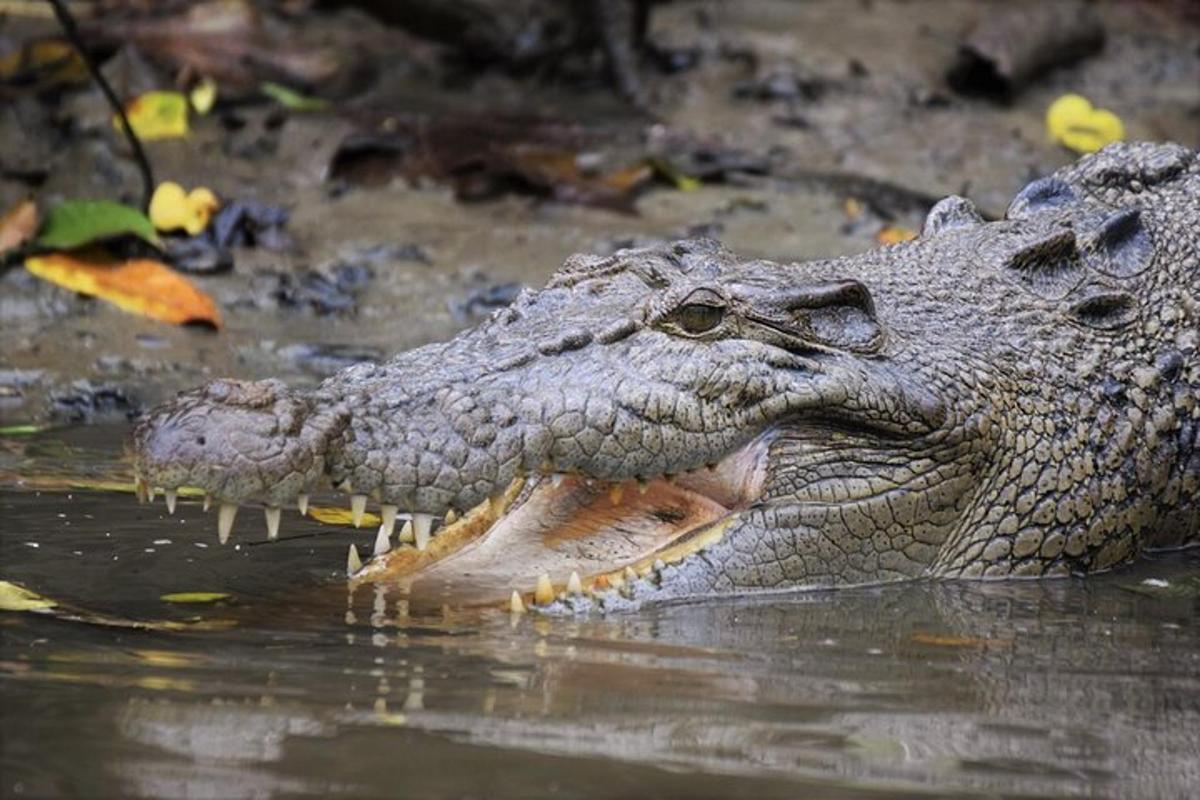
(1073, 121)
(341, 516)
(18, 225)
(203, 95)
(18, 598)
(950, 640)
(140, 286)
(157, 115)
(894, 234)
(194, 597)
(171, 208)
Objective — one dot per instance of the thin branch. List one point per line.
(139, 155)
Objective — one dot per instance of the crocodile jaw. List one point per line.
(550, 535)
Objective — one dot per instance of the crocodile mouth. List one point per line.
(550, 537)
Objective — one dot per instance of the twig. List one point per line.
(139, 155)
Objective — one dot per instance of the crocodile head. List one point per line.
(674, 422)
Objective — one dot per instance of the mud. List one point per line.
(838, 100)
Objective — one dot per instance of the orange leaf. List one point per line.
(140, 286)
(952, 640)
(18, 226)
(894, 234)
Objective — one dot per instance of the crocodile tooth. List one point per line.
(629, 574)
(140, 489)
(207, 502)
(383, 541)
(451, 517)
(556, 479)
(421, 525)
(302, 505)
(574, 585)
(615, 493)
(544, 593)
(643, 485)
(515, 603)
(387, 513)
(345, 486)
(358, 507)
(272, 514)
(172, 496)
(225, 517)
(406, 532)
(353, 562)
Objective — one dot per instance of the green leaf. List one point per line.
(21, 430)
(79, 222)
(194, 597)
(14, 597)
(290, 98)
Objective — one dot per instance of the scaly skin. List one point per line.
(991, 399)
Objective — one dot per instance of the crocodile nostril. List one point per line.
(200, 440)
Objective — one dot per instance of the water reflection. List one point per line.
(1070, 687)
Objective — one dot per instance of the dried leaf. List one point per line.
(195, 597)
(894, 234)
(157, 115)
(228, 41)
(43, 64)
(18, 226)
(139, 286)
(1074, 122)
(341, 516)
(290, 98)
(171, 208)
(483, 155)
(950, 640)
(79, 222)
(17, 598)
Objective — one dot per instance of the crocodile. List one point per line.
(1016, 397)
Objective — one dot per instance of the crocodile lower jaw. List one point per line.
(547, 536)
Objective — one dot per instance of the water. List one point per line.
(1063, 688)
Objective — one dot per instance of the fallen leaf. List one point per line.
(21, 430)
(290, 98)
(894, 234)
(681, 181)
(157, 115)
(949, 640)
(1074, 122)
(17, 226)
(230, 42)
(195, 597)
(43, 64)
(14, 597)
(140, 286)
(341, 516)
(171, 208)
(78, 222)
(203, 96)
(484, 155)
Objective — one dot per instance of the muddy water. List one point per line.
(1033, 689)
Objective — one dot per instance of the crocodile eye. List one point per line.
(699, 317)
